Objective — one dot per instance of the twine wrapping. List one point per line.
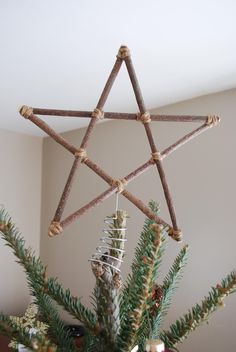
(120, 184)
(156, 156)
(123, 52)
(175, 234)
(144, 118)
(26, 111)
(99, 114)
(54, 229)
(81, 153)
(212, 120)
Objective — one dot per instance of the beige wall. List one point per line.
(20, 192)
(202, 179)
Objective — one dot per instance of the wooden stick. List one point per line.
(119, 115)
(47, 129)
(109, 83)
(135, 84)
(67, 189)
(185, 139)
(71, 177)
(84, 143)
(163, 179)
(159, 166)
(96, 201)
(137, 202)
(141, 206)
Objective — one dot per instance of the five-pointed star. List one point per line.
(116, 185)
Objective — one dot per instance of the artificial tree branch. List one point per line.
(168, 288)
(200, 313)
(36, 272)
(137, 292)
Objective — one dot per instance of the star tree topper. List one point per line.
(117, 185)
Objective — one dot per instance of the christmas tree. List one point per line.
(125, 315)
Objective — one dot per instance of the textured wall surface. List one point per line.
(202, 178)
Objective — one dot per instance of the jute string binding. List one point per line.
(54, 229)
(175, 234)
(212, 120)
(156, 156)
(120, 183)
(81, 153)
(144, 118)
(97, 113)
(123, 52)
(26, 111)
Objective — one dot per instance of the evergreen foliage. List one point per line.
(142, 306)
(200, 313)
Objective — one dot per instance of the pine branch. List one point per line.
(56, 330)
(35, 269)
(161, 300)
(168, 288)
(71, 304)
(38, 283)
(138, 266)
(200, 313)
(137, 292)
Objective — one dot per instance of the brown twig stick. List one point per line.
(179, 143)
(141, 206)
(67, 189)
(90, 128)
(135, 84)
(109, 83)
(47, 129)
(119, 115)
(163, 179)
(137, 202)
(96, 201)
(154, 150)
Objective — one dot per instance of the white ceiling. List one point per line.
(58, 54)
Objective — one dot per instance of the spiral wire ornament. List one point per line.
(104, 251)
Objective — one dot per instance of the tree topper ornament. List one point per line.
(117, 185)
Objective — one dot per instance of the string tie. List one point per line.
(212, 120)
(26, 111)
(81, 153)
(123, 52)
(98, 113)
(120, 183)
(156, 156)
(176, 234)
(144, 118)
(54, 229)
